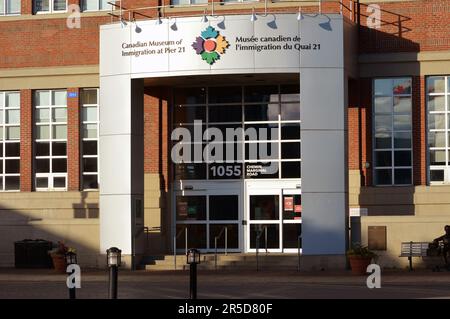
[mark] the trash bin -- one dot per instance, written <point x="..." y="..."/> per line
<point x="30" y="253"/>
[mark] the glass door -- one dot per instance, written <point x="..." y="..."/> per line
<point x="292" y="219"/>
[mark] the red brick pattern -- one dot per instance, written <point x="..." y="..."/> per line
<point x="73" y="140"/>
<point x="26" y="141"/>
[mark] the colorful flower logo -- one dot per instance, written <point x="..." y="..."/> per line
<point x="210" y="45"/>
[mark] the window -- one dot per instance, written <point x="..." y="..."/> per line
<point x="9" y="7"/>
<point x="438" y="106"/>
<point x="95" y="5"/>
<point x="392" y="109"/>
<point x="89" y="138"/>
<point x="50" y="139"/>
<point x="50" y="6"/>
<point x="9" y="141"/>
<point x="187" y="2"/>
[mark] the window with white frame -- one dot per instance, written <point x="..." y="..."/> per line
<point x="89" y="147"/>
<point x="10" y="141"/>
<point x="438" y="106"/>
<point x="392" y="119"/>
<point x="95" y="5"/>
<point x="187" y="2"/>
<point x="9" y="7"/>
<point x="50" y="6"/>
<point x="50" y="139"/>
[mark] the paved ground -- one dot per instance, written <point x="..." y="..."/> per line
<point x="227" y="284"/>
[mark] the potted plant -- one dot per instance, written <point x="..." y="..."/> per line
<point x="58" y="255"/>
<point x="360" y="257"/>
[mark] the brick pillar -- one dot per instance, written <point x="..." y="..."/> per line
<point x="73" y="140"/>
<point x="151" y="133"/>
<point x="26" y="7"/>
<point x="419" y="131"/>
<point x="366" y="129"/>
<point x="26" y="141"/>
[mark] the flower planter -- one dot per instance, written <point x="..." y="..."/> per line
<point x="59" y="263"/>
<point x="359" y="264"/>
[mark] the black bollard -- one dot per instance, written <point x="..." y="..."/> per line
<point x="193" y="258"/>
<point x="114" y="260"/>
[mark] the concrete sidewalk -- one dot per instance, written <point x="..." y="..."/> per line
<point x="15" y="283"/>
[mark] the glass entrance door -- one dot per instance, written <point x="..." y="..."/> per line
<point x="274" y="220"/>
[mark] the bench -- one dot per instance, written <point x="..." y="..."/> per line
<point x="413" y="249"/>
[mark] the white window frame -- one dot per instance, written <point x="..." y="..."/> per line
<point x="4" y="141"/>
<point x="83" y="5"/>
<point x="50" y="175"/>
<point x="392" y="149"/>
<point x="83" y="122"/>
<point x="446" y="131"/>
<point x="191" y="2"/>
<point x="50" y="9"/>
<point x="5" y="10"/>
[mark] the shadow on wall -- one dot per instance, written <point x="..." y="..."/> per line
<point x="71" y="217"/>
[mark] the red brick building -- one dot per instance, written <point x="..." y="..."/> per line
<point x="397" y="128"/>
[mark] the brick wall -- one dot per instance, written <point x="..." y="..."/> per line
<point x="73" y="140"/>
<point x="26" y="141"/>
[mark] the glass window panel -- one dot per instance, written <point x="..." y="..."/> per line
<point x="402" y="140"/>
<point x="1" y="167"/>
<point x="225" y="171"/>
<point x="42" y="5"/>
<point x="90" y="147"/>
<point x="273" y="235"/>
<point x="290" y="235"/>
<point x="291" y="169"/>
<point x="264" y="207"/>
<point x="1" y="135"/>
<point x="12" y="117"/>
<point x="188" y="114"/>
<point x="263" y="151"/>
<point x="402" y="104"/>
<point x="191" y="207"/>
<point x="42" y="182"/>
<point x="383" y="87"/>
<point x="260" y="132"/>
<point x="402" y="122"/>
<point x="104" y="5"/>
<point x="59" y="165"/>
<point x="437" y="175"/>
<point x="42" y="165"/>
<point x="60" y="132"/>
<point x="90" y="96"/>
<point x="1" y="115"/>
<point x="12" y="166"/>
<point x="42" y="98"/>
<point x="294" y="209"/>
<point x="290" y="93"/>
<point x="90" y="181"/>
<point x="59" y="5"/>
<point x="2" y="12"/>
<point x="59" y="97"/>
<point x="1" y="151"/>
<point x="232" y="236"/>
<point x="402" y="86"/>
<point x="290" y="112"/>
<point x="436" y="84"/>
<point x="59" y="148"/>
<point x="437" y="157"/>
<point x="261" y="112"/>
<point x="12" y="149"/>
<point x="224" y="113"/>
<point x="383" y="177"/>
<point x="90" y="164"/>
<point x="230" y="132"/>
<point x="12" y="99"/>
<point x="261" y="170"/>
<point x="59" y="182"/>
<point x="383" y="104"/>
<point x="42" y="149"/>
<point x="90" y="114"/>
<point x="196" y="95"/>
<point x="59" y="114"/>
<point x="90" y="5"/>
<point x="290" y="131"/>
<point x="436" y="103"/>
<point x="12" y="183"/>
<point x="229" y="94"/>
<point x="402" y="176"/>
<point x="13" y="133"/>
<point x="42" y="115"/>
<point x="190" y="171"/>
<point x="402" y="158"/>
<point x="196" y="236"/>
<point x="436" y="139"/>
<point x="436" y="121"/>
<point x="383" y="159"/>
<point x="179" y="2"/>
<point x="290" y="150"/>
<point x="261" y="94"/>
<point x="223" y="207"/>
<point x="383" y="123"/>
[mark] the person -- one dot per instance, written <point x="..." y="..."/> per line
<point x="446" y="243"/>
